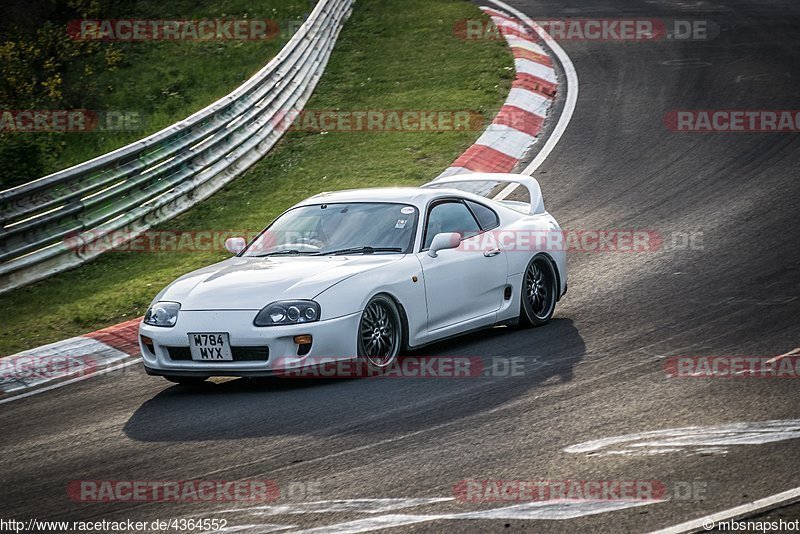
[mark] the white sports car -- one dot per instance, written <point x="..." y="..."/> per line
<point x="363" y="274"/>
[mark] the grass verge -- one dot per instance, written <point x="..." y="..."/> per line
<point x="154" y="83"/>
<point x="391" y="55"/>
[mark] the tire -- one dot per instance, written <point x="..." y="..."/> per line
<point x="380" y="334"/>
<point x="539" y="292"/>
<point x="187" y="380"/>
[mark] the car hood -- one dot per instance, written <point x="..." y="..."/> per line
<point x="252" y="283"/>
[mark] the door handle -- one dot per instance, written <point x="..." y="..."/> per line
<point x="493" y="252"/>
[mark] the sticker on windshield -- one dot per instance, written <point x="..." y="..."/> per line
<point x="401" y="223"/>
<point x="407" y="210"/>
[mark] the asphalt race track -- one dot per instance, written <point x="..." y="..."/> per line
<point x="597" y="371"/>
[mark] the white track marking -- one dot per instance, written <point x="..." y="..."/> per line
<point x="571" y="87"/>
<point x="529" y="101"/>
<point x="693" y="439"/>
<point x="70" y="381"/>
<point x="526" y="66"/>
<point x="556" y="509"/>
<point x="786" y="497"/>
<point x="505" y="139"/>
<point x="361" y="506"/>
<point x="507" y="190"/>
<point x="552" y="510"/>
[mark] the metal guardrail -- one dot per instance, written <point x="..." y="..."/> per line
<point x="47" y="223"/>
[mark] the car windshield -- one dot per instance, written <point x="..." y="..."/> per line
<point x="339" y="228"/>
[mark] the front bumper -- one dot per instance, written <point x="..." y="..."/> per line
<point x="332" y="339"/>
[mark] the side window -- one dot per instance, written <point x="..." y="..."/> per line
<point x="487" y="218"/>
<point x="450" y="216"/>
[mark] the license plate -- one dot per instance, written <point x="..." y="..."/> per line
<point x="212" y="347"/>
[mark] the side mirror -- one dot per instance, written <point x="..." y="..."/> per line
<point x="235" y="245"/>
<point x="444" y="241"/>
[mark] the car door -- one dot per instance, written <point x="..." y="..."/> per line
<point x="462" y="284"/>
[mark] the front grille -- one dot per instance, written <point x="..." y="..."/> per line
<point x="179" y="353"/>
<point x="250" y="354"/>
<point x="240" y="354"/>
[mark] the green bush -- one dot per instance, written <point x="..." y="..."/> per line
<point x="34" y="67"/>
<point x="42" y="67"/>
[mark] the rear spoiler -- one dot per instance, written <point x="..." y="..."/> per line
<point x="508" y="189"/>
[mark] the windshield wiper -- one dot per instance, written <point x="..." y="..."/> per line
<point x="360" y="250"/>
<point x="281" y="252"/>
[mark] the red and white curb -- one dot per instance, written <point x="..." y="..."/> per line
<point x="71" y="360"/>
<point x="514" y="130"/>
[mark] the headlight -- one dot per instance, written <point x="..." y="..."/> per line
<point x="288" y="312"/>
<point x="162" y="314"/>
